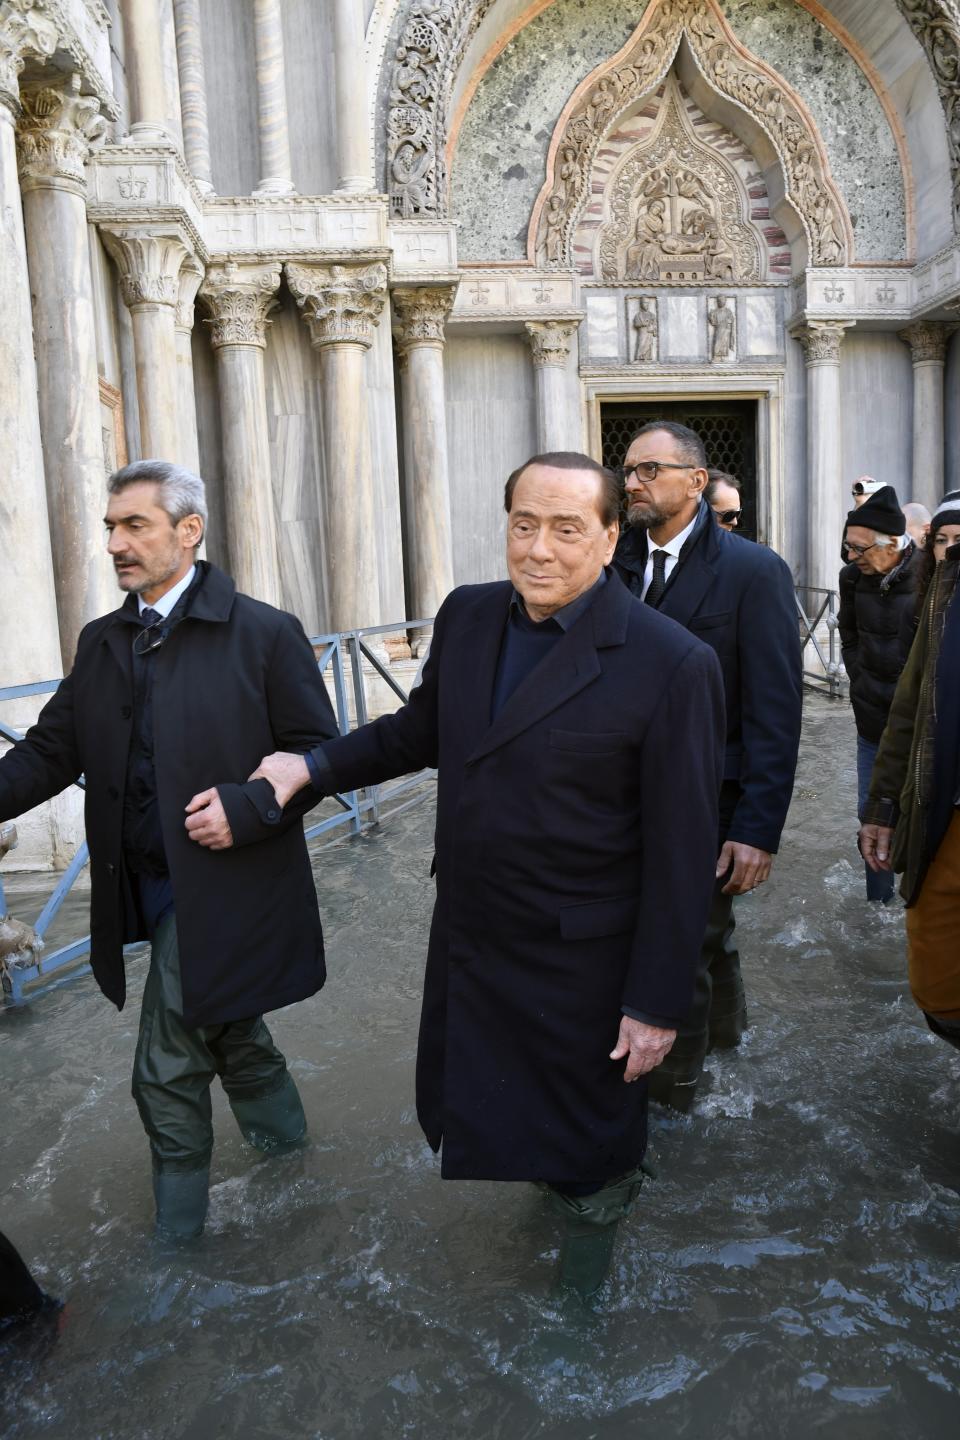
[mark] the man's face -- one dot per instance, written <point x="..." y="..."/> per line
<point x="725" y="500"/>
<point x="676" y="489"/>
<point x="557" y="544"/>
<point x="878" y="553"/>
<point x="149" y="552"/>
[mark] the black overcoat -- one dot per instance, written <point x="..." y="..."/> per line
<point x="875" y="620"/>
<point x="738" y="598"/>
<point x="234" y="681"/>
<point x="575" y="856"/>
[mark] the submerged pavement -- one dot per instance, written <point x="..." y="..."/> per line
<point x="794" y="1272"/>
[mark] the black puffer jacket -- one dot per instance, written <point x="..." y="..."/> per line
<point x="874" y="611"/>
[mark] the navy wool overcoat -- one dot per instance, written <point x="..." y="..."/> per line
<point x="575" y="857"/>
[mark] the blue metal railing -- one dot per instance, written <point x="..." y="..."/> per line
<point x="336" y="654"/>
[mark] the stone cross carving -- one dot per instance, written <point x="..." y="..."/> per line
<point x="239" y="298"/>
<point x="645" y="328"/>
<point x="342" y="304"/>
<point x="722" y="322"/>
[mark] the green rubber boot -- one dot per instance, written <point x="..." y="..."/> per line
<point x="590" y="1231"/>
<point x="181" y="1200"/>
<point x="274" y="1121"/>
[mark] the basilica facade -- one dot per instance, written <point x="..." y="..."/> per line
<point x="353" y="260"/>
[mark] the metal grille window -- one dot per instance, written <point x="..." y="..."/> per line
<point x="728" y="429"/>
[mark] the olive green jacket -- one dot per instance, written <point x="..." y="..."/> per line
<point x="900" y="787"/>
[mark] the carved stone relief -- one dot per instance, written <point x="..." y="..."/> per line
<point x="239" y="298"/>
<point x="722" y="328"/>
<point x="937" y="26"/>
<point x="642" y="319"/>
<point x="26" y="30"/>
<point x="732" y="72"/>
<point x="58" y="128"/>
<point x="677" y="212"/>
<point x="341" y="304"/>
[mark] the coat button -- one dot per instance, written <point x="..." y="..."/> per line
<point x="125" y="712"/>
<point x="111" y="868"/>
<point x="113" y="792"/>
<point x="273" y="814"/>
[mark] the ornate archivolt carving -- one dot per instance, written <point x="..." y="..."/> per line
<point x="676" y="211"/>
<point x="342" y="304"/>
<point x="149" y="258"/>
<point x="421" y="313"/>
<point x="57" y="131"/>
<point x="550" y="340"/>
<point x="927" y="340"/>
<point x="239" y="298"/>
<point x="730" y="69"/>
<point x="25" y="30"/>
<point x="423" y="67"/>
<point x="936" y="25"/>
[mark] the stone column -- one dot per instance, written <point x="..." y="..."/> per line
<point x="928" y="350"/>
<point x="558" y="412"/>
<point x="29" y="643"/>
<point x="826" y="498"/>
<point x="271" y="100"/>
<point x="149" y="258"/>
<point x="239" y="298"/>
<point x="421" y="314"/>
<point x="188" y="284"/>
<point x="353" y="141"/>
<point x="149" y="103"/>
<point x="56" y="131"/>
<point x="342" y="304"/>
<point x="193" y="91"/>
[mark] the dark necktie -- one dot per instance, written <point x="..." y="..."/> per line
<point x="659" y="582"/>
<point x="149" y="618"/>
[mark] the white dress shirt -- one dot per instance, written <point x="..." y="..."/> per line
<point x="165" y="604"/>
<point x="672" y="547"/>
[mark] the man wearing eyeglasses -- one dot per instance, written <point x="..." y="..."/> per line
<point x="186" y="683"/>
<point x="878" y="587"/>
<point x="738" y="597"/>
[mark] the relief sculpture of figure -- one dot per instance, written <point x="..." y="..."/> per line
<point x="642" y="261"/>
<point x="722" y="321"/>
<point x="409" y="172"/>
<point x="553" y="240"/>
<point x="645" y="329"/>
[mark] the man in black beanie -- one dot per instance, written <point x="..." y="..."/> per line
<point x="877" y="589"/>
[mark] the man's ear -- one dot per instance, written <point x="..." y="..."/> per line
<point x="698" y="481"/>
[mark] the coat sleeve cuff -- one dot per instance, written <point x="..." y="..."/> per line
<point x="321" y="773"/>
<point x="657" y="1021"/>
<point x="251" y="810"/>
<point x="882" y="811"/>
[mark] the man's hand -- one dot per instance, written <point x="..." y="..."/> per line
<point x="207" y="821"/>
<point x="875" y="842"/>
<point x="286" y="773"/>
<point x="644" y="1045"/>
<point x="750" y="867"/>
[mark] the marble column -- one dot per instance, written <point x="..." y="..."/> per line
<point x="143" y="51"/>
<point x="29" y="639"/>
<point x="558" y="410"/>
<point x="827" y="502"/>
<point x="193" y="91"/>
<point x="420" y="314"/>
<point x="57" y="128"/>
<point x="239" y="298"/>
<point x="188" y="283"/>
<point x="342" y="304"/>
<point x="928" y="350"/>
<point x="274" y="130"/>
<point x="353" y="141"/>
<point x="149" y="258"/>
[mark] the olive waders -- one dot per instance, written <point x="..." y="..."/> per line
<point x="590" y="1230"/>
<point x="172" y="1073"/>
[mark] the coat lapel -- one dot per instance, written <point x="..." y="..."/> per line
<point x="694" y="575"/>
<point x="572" y="664"/>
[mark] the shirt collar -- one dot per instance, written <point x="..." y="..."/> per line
<point x="566" y="617"/>
<point x="674" y="546"/>
<point x="165" y="604"/>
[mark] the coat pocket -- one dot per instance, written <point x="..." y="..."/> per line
<point x="598" y="917"/>
<point x="709" y="622"/>
<point x="598" y="742"/>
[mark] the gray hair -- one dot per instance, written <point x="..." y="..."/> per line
<point x="179" y="491"/>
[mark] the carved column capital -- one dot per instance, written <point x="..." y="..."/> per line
<point x="821" y="343"/>
<point x="342" y="304"/>
<point x="421" y="312"/>
<point x="239" y="298"/>
<point x="149" y="260"/>
<point x="188" y="283"/>
<point x="550" y="340"/>
<point x="927" y="340"/>
<point x="58" y="130"/>
<point x="25" y="30"/>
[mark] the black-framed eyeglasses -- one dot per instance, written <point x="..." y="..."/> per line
<point x="648" y="470"/>
<point x="728" y="517"/>
<point x="852" y="549"/>
<point x="150" y="639"/>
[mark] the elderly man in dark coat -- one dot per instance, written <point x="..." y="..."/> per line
<point x="187" y="682"/>
<point x="578" y="740"/>
<point x="738" y="598"/>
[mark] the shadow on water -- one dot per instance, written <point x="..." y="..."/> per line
<point x="793" y="1273"/>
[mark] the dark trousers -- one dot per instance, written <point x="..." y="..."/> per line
<point x="174" y="1067"/>
<point x="880" y="885"/>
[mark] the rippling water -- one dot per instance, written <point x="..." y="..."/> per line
<point x="794" y="1272"/>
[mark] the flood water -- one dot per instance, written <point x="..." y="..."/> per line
<point x="794" y="1272"/>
